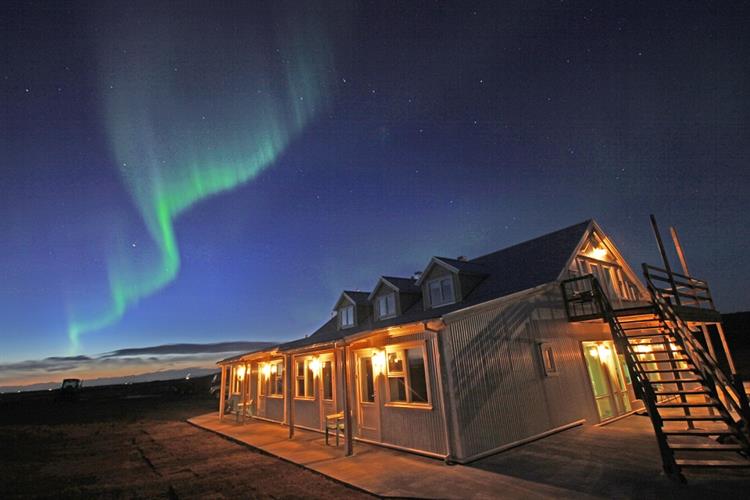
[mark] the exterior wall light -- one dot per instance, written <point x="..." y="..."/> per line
<point x="315" y="366"/>
<point x="378" y="362"/>
<point x="267" y="370"/>
<point x="598" y="253"/>
<point x="241" y="372"/>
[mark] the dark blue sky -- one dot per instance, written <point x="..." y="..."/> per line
<point x="435" y="128"/>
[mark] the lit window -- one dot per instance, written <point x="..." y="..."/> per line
<point x="305" y="379"/>
<point x="347" y="316"/>
<point x="328" y="380"/>
<point x="276" y="379"/>
<point x="407" y="376"/>
<point x="387" y="305"/>
<point x="548" y="359"/>
<point x="441" y="291"/>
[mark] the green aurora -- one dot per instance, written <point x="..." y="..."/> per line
<point x="187" y="119"/>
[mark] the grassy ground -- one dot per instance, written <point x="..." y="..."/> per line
<point x="136" y="446"/>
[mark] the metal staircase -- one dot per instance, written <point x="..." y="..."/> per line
<point x="699" y="414"/>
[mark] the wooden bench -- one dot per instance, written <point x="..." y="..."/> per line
<point x="335" y="422"/>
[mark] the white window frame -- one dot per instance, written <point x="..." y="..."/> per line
<point x="308" y="384"/>
<point x="383" y="300"/>
<point x="402" y="348"/>
<point x="343" y="314"/>
<point x="272" y="377"/>
<point x="439" y="281"/>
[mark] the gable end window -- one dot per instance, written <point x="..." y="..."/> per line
<point x="387" y="305"/>
<point x="441" y="291"/>
<point x="346" y="314"/>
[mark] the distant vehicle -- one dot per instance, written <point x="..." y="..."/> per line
<point x="71" y="388"/>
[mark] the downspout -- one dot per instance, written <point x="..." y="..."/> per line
<point x="439" y="369"/>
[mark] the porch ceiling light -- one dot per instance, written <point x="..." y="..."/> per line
<point x="267" y="369"/>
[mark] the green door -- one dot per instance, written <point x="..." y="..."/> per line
<point x="607" y="379"/>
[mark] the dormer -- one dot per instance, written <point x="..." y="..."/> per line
<point x="352" y="309"/>
<point x="392" y="296"/>
<point x="446" y="281"/>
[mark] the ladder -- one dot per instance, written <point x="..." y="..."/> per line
<point x="700" y="417"/>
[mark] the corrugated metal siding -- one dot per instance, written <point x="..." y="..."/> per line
<point x="307" y="413"/>
<point x="415" y="428"/>
<point x="274" y="409"/>
<point x="499" y="391"/>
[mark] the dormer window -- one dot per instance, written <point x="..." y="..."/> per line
<point x="441" y="291"/>
<point x="386" y="305"/>
<point x="346" y="315"/>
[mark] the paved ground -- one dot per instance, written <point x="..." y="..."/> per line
<point x="619" y="460"/>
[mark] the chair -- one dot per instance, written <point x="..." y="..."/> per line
<point x="335" y="422"/>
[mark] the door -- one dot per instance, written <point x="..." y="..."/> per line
<point x="607" y="379"/>
<point x="603" y="273"/>
<point x="327" y="388"/>
<point x="368" y="414"/>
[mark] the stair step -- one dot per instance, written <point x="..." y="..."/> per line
<point x="707" y="404"/>
<point x="655" y="351"/>
<point x="693" y="418"/>
<point x="647" y="335"/>
<point x="642" y="328"/>
<point x="711" y="463"/>
<point x="673" y="360"/>
<point x="670" y="370"/>
<point x="705" y="447"/>
<point x="677" y="391"/>
<point x="697" y="432"/>
<point x="689" y="380"/>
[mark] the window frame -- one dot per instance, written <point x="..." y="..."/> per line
<point x="384" y="298"/>
<point x="349" y="307"/>
<point x="402" y="349"/>
<point x="323" y="361"/>
<point x="439" y="280"/>
<point x="307" y="384"/>
<point x="551" y="369"/>
<point x="273" y="379"/>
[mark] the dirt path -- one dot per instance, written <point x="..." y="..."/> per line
<point x="145" y="458"/>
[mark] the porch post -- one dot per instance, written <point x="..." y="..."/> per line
<point x="348" y="439"/>
<point x="222" y="392"/>
<point x="289" y="393"/>
<point x="707" y="338"/>
<point x="240" y="415"/>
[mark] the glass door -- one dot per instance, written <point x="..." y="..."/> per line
<point x="607" y="379"/>
<point x="367" y="395"/>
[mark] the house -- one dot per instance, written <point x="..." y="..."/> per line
<point x="472" y="356"/>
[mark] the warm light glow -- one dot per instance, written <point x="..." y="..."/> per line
<point x="643" y="348"/>
<point x="274" y="368"/>
<point x="604" y="351"/>
<point x="593" y="352"/>
<point x="266" y="369"/>
<point x="241" y="372"/>
<point x="378" y="362"/>
<point x="599" y="253"/>
<point x="315" y="366"/>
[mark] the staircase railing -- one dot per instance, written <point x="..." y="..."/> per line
<point x="585" y="298"/>
<point x="731" y="388"/>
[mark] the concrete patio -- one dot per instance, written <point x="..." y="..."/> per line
<point x="619" y="460"/>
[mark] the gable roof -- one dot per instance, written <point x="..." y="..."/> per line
<point x="401" y="285"/>
<point x="513" y="269"/>
<point x="358" y="298"/>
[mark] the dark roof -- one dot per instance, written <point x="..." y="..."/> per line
<point x="464" y="266"/>
<point x="329" y="332"/>
<point x="359" y="298"/>
<point x="404" y="285"/>
<point x="238" y="356"/>
<point x="519" y="267"/>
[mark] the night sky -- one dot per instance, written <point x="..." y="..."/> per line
<point x="204" y="172"/>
